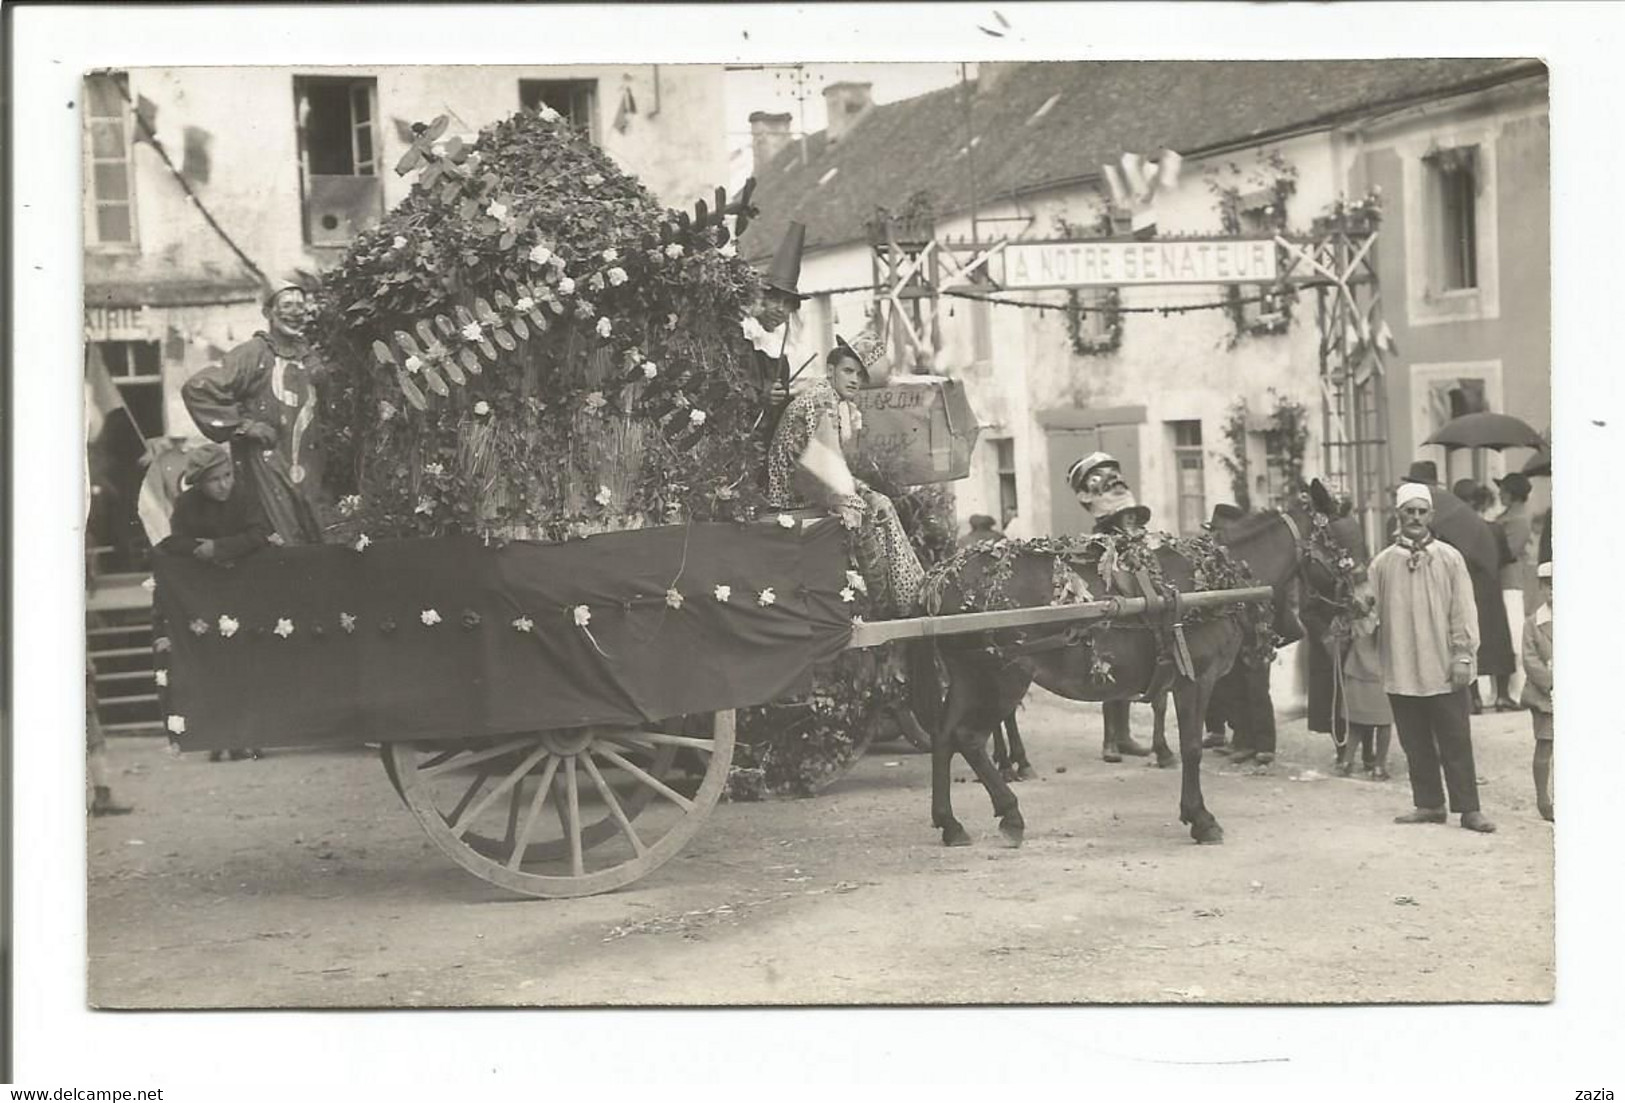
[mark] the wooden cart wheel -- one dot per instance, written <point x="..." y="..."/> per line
<point x="552" y="813"/>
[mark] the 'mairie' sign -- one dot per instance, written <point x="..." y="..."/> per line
<point x="1037" y="264"/>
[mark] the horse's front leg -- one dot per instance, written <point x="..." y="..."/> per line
<point x="1159" y="732"/>
<point x="1190" y="703"/>
<point x="942" y="756"/>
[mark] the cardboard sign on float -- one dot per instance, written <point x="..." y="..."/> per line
<point x="921" y="428"/>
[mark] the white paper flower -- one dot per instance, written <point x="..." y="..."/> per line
<point x="604" y="496"/>
<point x="674" y="599"/>
<point x="766" y="597"/>
<point x="674" y="250"/>
<point x="567" y="286"/>
<point x="386" y="409"/>
<point x="481" y="408"/>
<point x="605" y="327"/>
<point x="471" y="331"/>
<point x="161" y="677"/>
<point x="671" y="321"/>
<point x="616" y="276"/>
<point x="362" y="542"/>
<point x="429" y="617"/>
<point x="347" y="621"/>
<point x="696" y="417"/>
<point x="728" y="250"/>
<point x="581" y="615"/>
<point x="539" y="255"/>
<point x="786" y="521"/>
<point x="524" y="304"/>
<point x="610" y="255"/>
<point x="650" y="369"/>
<point x="434" y="469"/>
<point x="284" y="627"/>
<point x="149" y="584"/>
<point x="498" y="212"/>
<point x="848" y="594"/>
<point x="425" y="505"/>
<point x="176" y="724"/>
<point x="228" y="627"/>
<point x="349" y="504"/>
<point x="523" y="624"/>
<point x="414" y="364"/>
<point x="398" y="243"/>
<point x="595" y="282"/>
<point x="548" y="114"/>
<point x="723" y="592"/>
<point x="596" y="400"/>
<point x="584" y="309"/>
<point x="855" y="580"/>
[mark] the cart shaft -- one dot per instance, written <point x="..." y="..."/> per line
<point x="956" y="624"/>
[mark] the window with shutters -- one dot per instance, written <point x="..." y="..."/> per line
<point x="576" y="100"/>
<point x="338" y="152"/>
<point x="109" y="190"/>
<point x="1452" y="185"/>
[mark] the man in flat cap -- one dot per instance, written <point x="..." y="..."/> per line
<point x="1427" y="625"/>
<point x="261" y="400"/>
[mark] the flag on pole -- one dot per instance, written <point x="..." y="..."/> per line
<point x="1168" y="170"/>
<point x="121" y="449"/>
<point x="1114" y="182"/>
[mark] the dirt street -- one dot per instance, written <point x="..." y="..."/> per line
<point x="300" y="880"/>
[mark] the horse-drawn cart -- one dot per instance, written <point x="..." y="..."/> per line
<point x="558" y="717"/>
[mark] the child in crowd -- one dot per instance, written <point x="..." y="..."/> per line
<point x="217" y="520"/>
<point x="1537" y="687"/>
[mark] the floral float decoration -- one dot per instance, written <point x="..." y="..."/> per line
<point x="514" y="315"/>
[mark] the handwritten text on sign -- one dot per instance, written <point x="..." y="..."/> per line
<point x="1120" y="263"/>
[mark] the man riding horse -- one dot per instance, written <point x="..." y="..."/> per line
<point x="1097" y="480"/>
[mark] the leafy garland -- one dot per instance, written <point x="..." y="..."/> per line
<point x="1111" y="306"/>
<point x="1235" y="461"/>
<point x="1275" y="174"/>
<point x="510" y="333"/>
<point x="1105" y="554"/>
<point x="1286" y="436"/>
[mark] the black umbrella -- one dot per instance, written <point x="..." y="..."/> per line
<point x="1487" y="430"/>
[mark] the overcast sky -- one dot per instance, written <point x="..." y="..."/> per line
<point x="775" y="88"/>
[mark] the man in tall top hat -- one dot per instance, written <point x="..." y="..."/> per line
<point x="1097" y="480"/>
<point x="770" y="325"/>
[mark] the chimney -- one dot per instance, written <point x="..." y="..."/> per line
<point x="847" y="102"/>
<point x="989" y="74"/>
<point x="768" y="135"/>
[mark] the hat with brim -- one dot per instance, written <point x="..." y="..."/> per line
<point x="1140" y="515"/>
<point x="1080" y="468"/>
<point x="1422" y="471"/>
<point x="866" y="348"/>
<point x="1517" y="482"/>
<point x="784" y="275"/>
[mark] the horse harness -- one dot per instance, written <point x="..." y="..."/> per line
<point x="1164" y="616"/>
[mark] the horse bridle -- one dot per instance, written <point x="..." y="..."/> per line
<point x="1309" y="551"/>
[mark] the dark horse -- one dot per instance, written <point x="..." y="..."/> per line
<point x="985" y="684"/>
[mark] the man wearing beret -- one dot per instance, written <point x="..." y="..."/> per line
<point x="261" y="400"/>
<point x="1427" y="625"/>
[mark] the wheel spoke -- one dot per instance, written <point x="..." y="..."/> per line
<point x="636" y="741"/>
<point x="440" y="765"/>
<point x="464" y="822"/>
<point x="535" y="809"/>
<point x="614" y="805"/>
<point x="652" y="782"/>
<point x="468" y="795"/>
<point x="573" y="796"/>
<point x="514" y="801"/>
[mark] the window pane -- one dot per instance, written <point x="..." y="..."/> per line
<point x="361" y="103"/>
<point x="115" y="357"/>
<point x="112" y="181"/>
<point x="1007" y="454"/>
<point x="327" y="129"/>
<point x="145" y="357"/>
<point x="107" y="138"/>
<point x="102" y="98"/>
<point x="363" y="149"/>
<point x="113" y="222"/>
